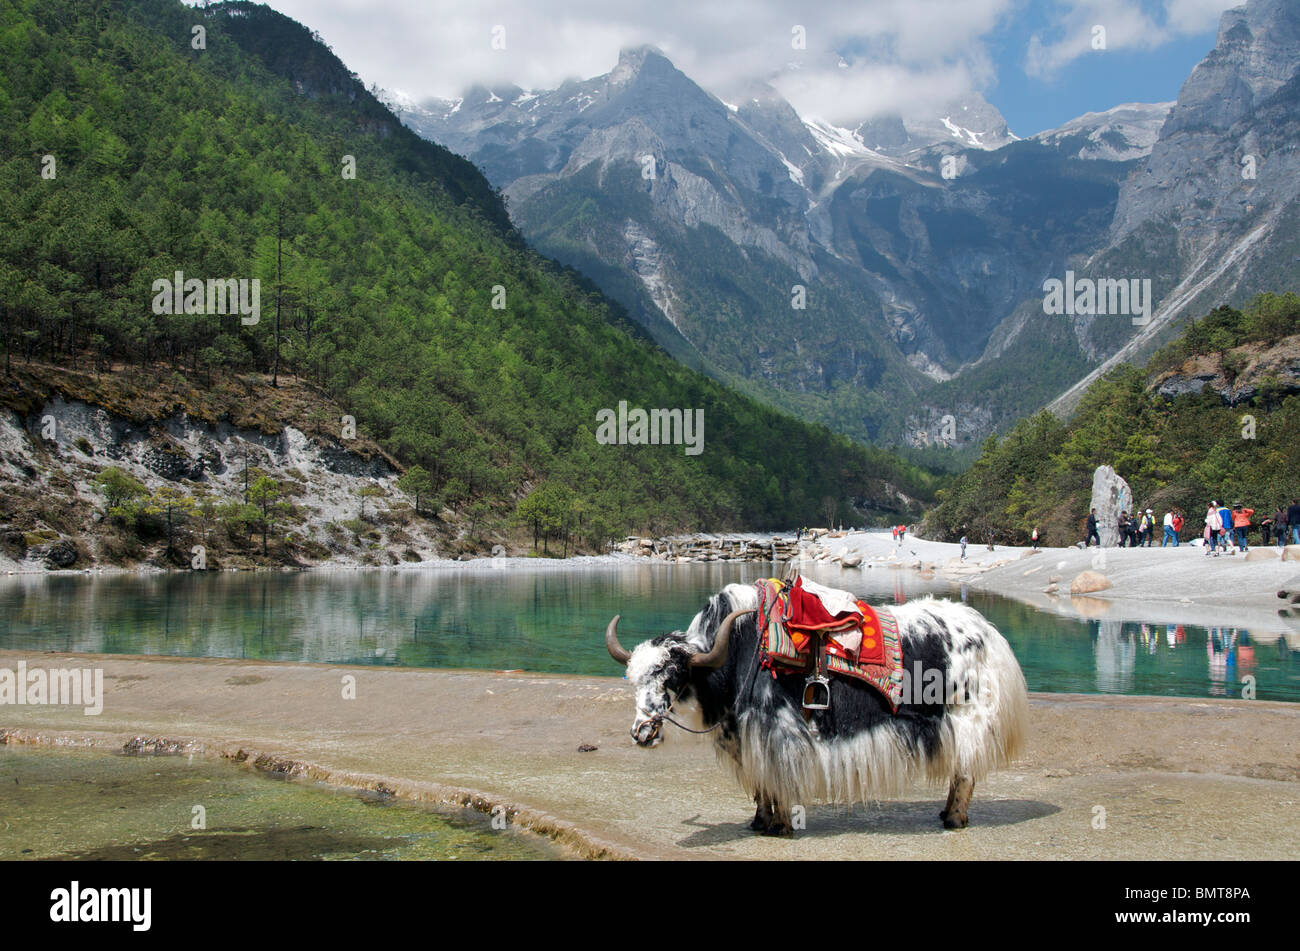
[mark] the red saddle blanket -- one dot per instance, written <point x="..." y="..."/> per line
<point x="862" y="641"/>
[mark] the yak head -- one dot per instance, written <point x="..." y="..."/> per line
<point x="660" y="671"/>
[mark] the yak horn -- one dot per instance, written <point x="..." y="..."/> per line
<point x="717" y="656"/>
<point x="612" y="645"/>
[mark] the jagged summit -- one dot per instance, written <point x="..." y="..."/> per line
<point x="633" y="60"/>
<point x="1257" y="52"/>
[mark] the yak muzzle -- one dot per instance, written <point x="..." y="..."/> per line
<point x="647" y="732"/>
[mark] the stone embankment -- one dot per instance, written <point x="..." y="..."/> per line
<point x="701" y="547"/>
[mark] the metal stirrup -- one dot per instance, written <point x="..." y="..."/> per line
<point x="816" y="688"/>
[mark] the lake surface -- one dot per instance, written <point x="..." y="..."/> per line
<point x="84" y="805"/>
<point x="552" y="617"/>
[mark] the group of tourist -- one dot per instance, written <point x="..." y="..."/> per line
<point x="1224" y="527"/>
<point x="1223" y="523"/>
<point x="1138" y="530"/>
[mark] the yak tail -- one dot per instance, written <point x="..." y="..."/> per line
<point x="990" y="732"/>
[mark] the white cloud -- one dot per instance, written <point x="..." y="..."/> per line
<point x="898" y="52"/>
<point x="439" y="47"/>
<point x="1195" y="16"/>
<point x="868" y="90"/>
<point x="1126" y="26"/>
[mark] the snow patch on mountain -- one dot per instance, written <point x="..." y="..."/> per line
<point x="836" y="140"/>
<point x="971" y="137"/>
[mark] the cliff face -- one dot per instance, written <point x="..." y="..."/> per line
<point x="1212" y="215"/>
<point x="1228" y="144"/>
<point x="60" y="430"/>
<point x="1239" y="375"/>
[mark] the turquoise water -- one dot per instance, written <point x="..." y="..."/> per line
<point x="551" y="618"/>
<point x="66" y="804"/>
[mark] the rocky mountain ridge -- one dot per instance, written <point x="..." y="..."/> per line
<point x="816" y="266"/>
<point x="924" y="241"/>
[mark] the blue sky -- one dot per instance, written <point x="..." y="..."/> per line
<point x="1093" y="82"/>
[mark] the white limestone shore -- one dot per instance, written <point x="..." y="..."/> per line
<point x="1179" y="585"/>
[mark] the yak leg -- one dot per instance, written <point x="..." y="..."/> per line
<point x="780" y="824"/>
<point x="959" y="793"/>
<point x="762" y="816"/>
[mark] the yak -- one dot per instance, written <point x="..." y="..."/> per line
<point x="858" y="749"/>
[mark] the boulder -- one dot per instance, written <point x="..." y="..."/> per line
<point x="1290" y="590"/>
<point x="1262" y="554"/>
<point x="1178" y="384"/>
<point x="1088" y="581"/>
<point x="1110" y="496"/>
<point x="61" y="554"/>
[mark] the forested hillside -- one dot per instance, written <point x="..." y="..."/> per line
<point x="134" y="145"/>
<point x="1214" y="415"/>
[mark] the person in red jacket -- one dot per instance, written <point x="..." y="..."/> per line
<point x="1241" y="524"/>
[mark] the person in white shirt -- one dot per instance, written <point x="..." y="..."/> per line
<point x="1213" y="528"/>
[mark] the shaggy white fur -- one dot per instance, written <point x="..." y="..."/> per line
<point x="782" y="761"/>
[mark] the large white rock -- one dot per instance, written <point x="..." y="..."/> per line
<point x="1110" y="496"/>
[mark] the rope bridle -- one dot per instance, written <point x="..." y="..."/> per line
<point x="659" y="718"/>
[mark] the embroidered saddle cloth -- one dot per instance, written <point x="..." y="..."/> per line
<point x="861" y="641"/>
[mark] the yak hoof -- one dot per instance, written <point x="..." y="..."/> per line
<point x="954" y="822"/>
<point x="758" y="824"/>
<point x="782" y="830"/>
